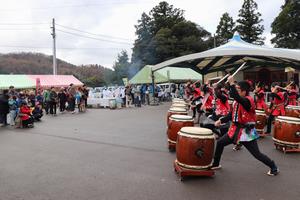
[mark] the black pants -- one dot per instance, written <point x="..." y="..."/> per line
<point x="27" y="122"/>
<point x="47" y="106"/>
<point x="85" y="102"/>
<point x="3" y="118"/>
<point x="72" y="104"/>
<point x="62" y="106"/>
<point x="37" y="116"/>
<point x="251" y="146"/>
<point x="53" y="108"/>
<point x="269" y="123"/>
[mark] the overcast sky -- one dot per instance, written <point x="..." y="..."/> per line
<point x="25" y="25"/>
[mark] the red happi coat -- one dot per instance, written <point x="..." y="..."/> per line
<point x="292" y="97"/>
<point x="209" y="102"/>
<point x="241" y="116"/>
<point x="197" y="92"/>
<point x="26" y="111"/>
<point x="278" y="105"/>
<point x="222" y="108"/>
<point x="260" y="100"/>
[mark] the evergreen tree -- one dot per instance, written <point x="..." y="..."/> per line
<point x="286" y="26"/>
<point x="165" y="34"/>
<point x="248" y="24"/>
<point x="121" y="67"/>
<point x="142" y="45"/>
<point x="225" y="29"/>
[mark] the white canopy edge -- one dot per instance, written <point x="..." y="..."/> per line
<point x="236" y="47"/>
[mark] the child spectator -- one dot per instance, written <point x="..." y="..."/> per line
<point x="25" y="115"/>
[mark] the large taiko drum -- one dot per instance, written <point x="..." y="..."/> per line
<point x="261" y="121"/>
<point x="195" y="148"/>
<point x="287" y="133"/>
<point x="175" y="111"/>
<point x="176" y="122"/>
<point x="292" y="111"/>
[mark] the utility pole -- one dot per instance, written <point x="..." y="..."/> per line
<point x="54" y="47"/>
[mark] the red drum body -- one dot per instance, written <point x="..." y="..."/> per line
<point x="292" y="111"/>
<point x="195" y="148"/>
<point x="175" y="111"/>
<point x="287" y="133"/>
<point x="261" y="121"/>
<point x="176" y="122"/>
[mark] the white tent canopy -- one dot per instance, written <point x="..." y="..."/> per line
<point x="232" y="54"/>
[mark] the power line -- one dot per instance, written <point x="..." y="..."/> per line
<point x="102" y="35"/>
<point x="21" y="29"/>
<point x="111" y="3"/>
<point x="63" y="48"/>
<point x="23" y="24"/>
<point x="94" y="38"/>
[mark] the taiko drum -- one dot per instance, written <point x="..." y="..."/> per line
<point x="176" y="122"/>
<point x="261" y="121"/>
<point x="176" y="111"/>
<point x="292" y="111"/>
<point x="287" y="132"/>
<point x="195" y="148"/>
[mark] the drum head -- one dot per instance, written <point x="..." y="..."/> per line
<point x="178" y="105"/>
<point x="292" y="120"/>
<point x="293" y="107"/>
<point x="177" y="99"/>
<point x="181" y="117"/>
<point x="177" y="109"/>
<point x="260" y="112"/>
<point x="196" y="131"/>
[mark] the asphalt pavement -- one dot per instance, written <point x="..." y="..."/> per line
<point x="122" y="154"/>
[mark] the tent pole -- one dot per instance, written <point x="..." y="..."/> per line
<point x="153" y="87"/>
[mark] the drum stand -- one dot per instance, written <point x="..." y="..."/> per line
<point x="171" y="145"/>
<point x="184" y="172"/>
<point x="286" y="147"/>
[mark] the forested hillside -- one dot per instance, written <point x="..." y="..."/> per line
<point x="37" y="63"/>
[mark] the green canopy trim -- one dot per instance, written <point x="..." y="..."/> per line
<point x="18" y="81"/>
<point x="167" y="74"/>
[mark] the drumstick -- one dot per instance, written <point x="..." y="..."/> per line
<point x="221" y="79"/>
<point x="237" y="70"/>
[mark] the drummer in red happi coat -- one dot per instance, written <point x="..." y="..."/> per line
<point x="242" y="129"/>
<point x="277" y="105"/>
<point x="292" y="94"/>
<point x="259" y="97"/>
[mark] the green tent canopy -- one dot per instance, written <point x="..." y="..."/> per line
<point x="178" y="74"/>
<point x="167" y="74"/>
<point x="144" y="76"/>
<point x="18" y="81"/>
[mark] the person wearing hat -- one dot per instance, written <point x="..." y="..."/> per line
<point x="242" y="129"/>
